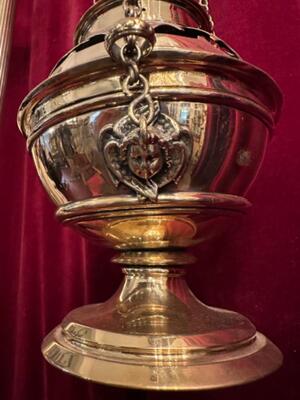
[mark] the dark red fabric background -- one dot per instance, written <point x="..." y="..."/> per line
<point x="46" y="270"/>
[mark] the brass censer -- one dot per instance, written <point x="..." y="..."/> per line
<point x="147" y="135"/>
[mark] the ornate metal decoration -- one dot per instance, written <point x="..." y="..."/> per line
<point x="146" y="157"/>
<point x="146" y="149"/>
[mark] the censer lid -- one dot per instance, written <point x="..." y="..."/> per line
<point x="106" y="13"/>
<point x="185" y="43"/>
<point x="78" y="74"/>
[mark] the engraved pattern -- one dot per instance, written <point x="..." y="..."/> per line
<point x="146" y="160"/>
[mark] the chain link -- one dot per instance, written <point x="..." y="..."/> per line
<point x="141" y="109"/>
<point x="145" y="136"/>
<point x="132" y="8"/>
<point x="134" y="84"/>
<point x="205" y="5"/>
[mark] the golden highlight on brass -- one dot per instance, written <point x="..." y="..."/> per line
<point x="147" y="135"/>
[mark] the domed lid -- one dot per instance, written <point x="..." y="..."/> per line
<point x="76" y="79"/>
<point x="106" y="13"/>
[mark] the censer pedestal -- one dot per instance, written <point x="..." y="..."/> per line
<point x="155" y="334"/>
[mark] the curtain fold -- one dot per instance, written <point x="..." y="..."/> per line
<point x="6" y="21"/>
<point x="47" y="270"/>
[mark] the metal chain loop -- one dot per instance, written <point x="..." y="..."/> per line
<point x="132" y="8"/>
<point x="139" y="38"/>
<point x="137" y="84"/>
<point x="205" y="5"/>
<point x="138" y="146"/>
<point x="146" y="101"/>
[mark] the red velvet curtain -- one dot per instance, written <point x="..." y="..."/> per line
<point x="46" y="270"/>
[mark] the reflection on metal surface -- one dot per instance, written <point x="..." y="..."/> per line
<point x="154" y="258"/>
<point x="151" y="163"/>
<point x="154" y="334"/>
<point x="106" y="13"/>
<point x="72" y="168"/>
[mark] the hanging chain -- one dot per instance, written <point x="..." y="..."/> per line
<point x="132" y="8"/>
<point x="145" y="149"/>
<point x="205" y="5"/>
<point x="136" y="84"/>
<point x="137" y="39"/>
<point x="128" y="43"/>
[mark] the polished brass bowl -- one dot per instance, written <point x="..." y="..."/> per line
<point x="153" y="326"/>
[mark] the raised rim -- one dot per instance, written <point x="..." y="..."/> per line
<point x="163" y="57"/>
<point x="107" y="204"/>
<point x="239" y="366"/>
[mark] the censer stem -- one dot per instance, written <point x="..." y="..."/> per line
<point x="153" y="333"/>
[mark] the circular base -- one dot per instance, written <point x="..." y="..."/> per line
<point x="155" y="334"/>
<point x="216" y="369"/>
